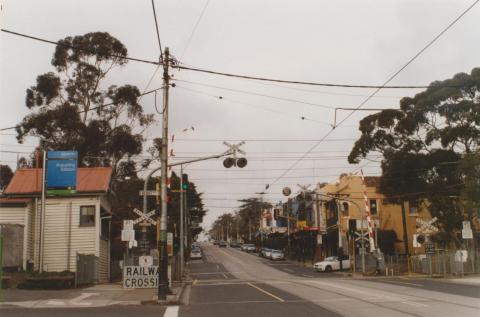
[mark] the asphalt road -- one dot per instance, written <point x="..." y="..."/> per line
<point x="229" y="282"/>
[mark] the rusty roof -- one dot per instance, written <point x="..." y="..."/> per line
<point x="89" y="179"/>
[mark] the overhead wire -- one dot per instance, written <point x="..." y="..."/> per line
<point x="79" y="48"/>
<point x="384" y="85"/>
<point x="156" y="27"/>
<point x="194" y="29"/>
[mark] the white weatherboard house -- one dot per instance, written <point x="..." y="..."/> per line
<point x="77" y="226"/>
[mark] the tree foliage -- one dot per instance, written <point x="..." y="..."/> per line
<point x="6" y="175"/>
<point x="423" y="143"/>
<point x="68" y="104"/>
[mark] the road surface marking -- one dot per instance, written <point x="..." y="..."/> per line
<point x="289" y="270"/>
<point x="218" y="267"/>
<point x="265" y="292"/>
<point x="397" y="282"/>
<point x="415" y="304"/>
<point x="56" y="303"/>
<point x="78" y="300"/>
<point x="305" y="275"/>
<point x="171" y="311"/>
<point x="210" y="273"/>
<point x="225" y="276"/>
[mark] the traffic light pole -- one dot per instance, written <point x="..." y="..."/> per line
<point x="182" y="229"/>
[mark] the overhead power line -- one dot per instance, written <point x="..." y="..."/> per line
<point x="206" y="71"/>
<point x="71" y="46"/>
<point x="384" y="85"/>
<point x="97" y="107"/>
<point x="195" y="28"/>
<point x="156" y="27"/>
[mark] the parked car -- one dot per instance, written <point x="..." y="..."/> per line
<point x="215" y="242"/>
<point x="248" y="247"/>
<point x="222" y="244"/>
<point x="266" y="253"/>
<point x="277" y="255"/>
<point x="234" y="244"/>
<point x="332" y="263"/>
<point x="195" y="253"/>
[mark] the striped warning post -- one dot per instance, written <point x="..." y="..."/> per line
<point x="367" y="214"/>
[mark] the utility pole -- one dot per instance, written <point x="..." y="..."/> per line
<point x="162" y="252"/>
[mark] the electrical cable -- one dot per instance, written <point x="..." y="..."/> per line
<point x="194" y="28"/>
<point x="379" y="88"/>
<point x="156" y="27"/>
<point x="71" y="46"/>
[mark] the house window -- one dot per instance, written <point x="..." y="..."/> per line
<point x="373" y="206"/>
<point x="345" y="209"/>
<point x="412" y="208"/>
<point x="87" y="216"/>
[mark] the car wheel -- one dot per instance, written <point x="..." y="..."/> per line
<point x="328" y="268"/>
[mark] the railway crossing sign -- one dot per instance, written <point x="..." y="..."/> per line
<point x="144" y="217"/>
<point x="358" y="240"/>
<point x="426" y="226"/>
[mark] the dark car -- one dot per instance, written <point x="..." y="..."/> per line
<point x="222" y="244"/>
<point x="234" y="244"/>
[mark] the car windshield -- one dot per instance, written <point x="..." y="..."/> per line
<point x="331" y="258"/>
<point x="276" y="251"/>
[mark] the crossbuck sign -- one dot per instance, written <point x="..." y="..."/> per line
<point x="427" y="227"/>
<point x="144" y="217"/>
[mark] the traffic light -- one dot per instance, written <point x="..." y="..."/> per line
<point x="228" y="162"/>
<point x="352" y="226"/>
<point x="242" y="162"/>
<point x="184" y="181"/>
<point x="421" y="239"/>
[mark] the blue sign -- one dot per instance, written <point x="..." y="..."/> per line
<point x="62" y="170"/>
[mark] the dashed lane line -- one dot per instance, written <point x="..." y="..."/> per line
<point x="171" y="311"/>
<point x="265" y="292"/>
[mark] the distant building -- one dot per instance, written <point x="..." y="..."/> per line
<point x="76" y="226"/>
<point x="386" y="217"/>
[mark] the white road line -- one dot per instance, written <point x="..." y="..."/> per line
<point x="397" y="282"/>
<point x="304" y="275"/>
<point x="265" y="292"/>
<point x="225" y="276"/>
<point x="289" y="270"/>
<point x="171" y="311"/>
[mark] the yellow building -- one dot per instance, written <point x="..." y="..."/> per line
<point x="350" y="205"/>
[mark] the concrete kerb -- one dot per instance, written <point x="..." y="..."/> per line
<point x="172" y="299"/>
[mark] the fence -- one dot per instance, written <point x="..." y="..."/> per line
<point x="450" y="262"/>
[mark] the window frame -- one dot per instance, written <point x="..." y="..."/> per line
<point x="81" y="216"/>
<point x="376" y="206"/>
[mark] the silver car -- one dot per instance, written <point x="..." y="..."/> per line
<point x="277" y="255"/>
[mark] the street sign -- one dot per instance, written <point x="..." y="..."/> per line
<point x="358" y="240"/>
<point x="144" y="217"/>
<point x="140" y="276"/>
<point x="128" y="225"/>
<point x="149" y="193"/>
<point x="128" y="235"/>
<point x="145" y="260"/>
<point x="170" y="243"/>
<point x="426" y="226"/>
<point x="61" y="172"/>
<point x="467" y="232"/>
<point x="429" y="248"/>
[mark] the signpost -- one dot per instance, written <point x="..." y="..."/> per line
<point x="140" y="276"/>
<point x="61" y="176"/>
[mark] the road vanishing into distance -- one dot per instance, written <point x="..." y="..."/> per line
<point x="232" y="283"/>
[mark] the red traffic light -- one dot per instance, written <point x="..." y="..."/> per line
<point x="228" y="162"/>
<point x="242" y="162"/>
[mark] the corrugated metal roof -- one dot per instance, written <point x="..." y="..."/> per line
<point x="89" y="179"/>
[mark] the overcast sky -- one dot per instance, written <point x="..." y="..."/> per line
<point x="349" y="42"/>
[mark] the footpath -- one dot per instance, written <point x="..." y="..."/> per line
<point x="94" y="296"/>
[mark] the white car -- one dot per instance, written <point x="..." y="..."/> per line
<point x="195" y="254"/>
<point x="277" y="255"/>
<point x="332" y="263"/>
